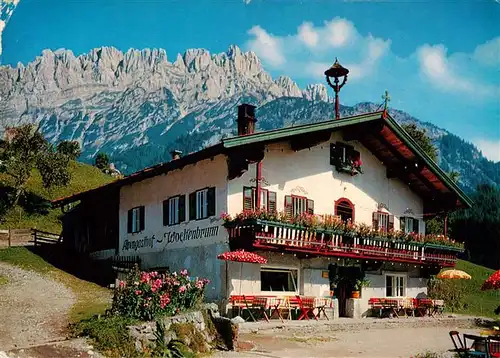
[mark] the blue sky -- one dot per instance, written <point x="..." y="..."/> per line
<point x="440" y="60"/>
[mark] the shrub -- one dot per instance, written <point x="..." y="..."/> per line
<point x="109" y="335"/>
<point x="148" y="295"/>
<point x="450" y="291"/>
<point x="174" y="349"/>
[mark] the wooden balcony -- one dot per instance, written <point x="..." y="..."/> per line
<point x="282" y="237"/>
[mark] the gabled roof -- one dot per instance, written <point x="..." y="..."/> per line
<point x="377" y="131"/>
<point x="284" y="133"/>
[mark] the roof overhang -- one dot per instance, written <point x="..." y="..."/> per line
<point x="406" y="160"/>
<point x="143" y="174"/>
<point x="377" y="131"/>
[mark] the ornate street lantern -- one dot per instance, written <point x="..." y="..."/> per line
<point x="336" y="71"/>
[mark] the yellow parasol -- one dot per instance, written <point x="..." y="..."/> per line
<point x="454" y="274"/>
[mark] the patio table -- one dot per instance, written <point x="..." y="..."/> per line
<point x="489" y="345"/>
<point x="306" y="305"/>
<point x="425" y="306"/>
<point x="320" y="303"/>
<point x="392" y="305"/>
<point x="437" y="308"/>
<point x="406" y="304"/>
<point x="273" y="304"/>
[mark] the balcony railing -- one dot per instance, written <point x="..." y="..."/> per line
<point x="268" y="235"/>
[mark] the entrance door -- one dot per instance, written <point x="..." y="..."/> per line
<point x="344" y="291"/>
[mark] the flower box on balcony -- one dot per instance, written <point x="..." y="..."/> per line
<point x="443" y="247"/>
<point x="347" y="236"/>
<point x="348" y="168"/>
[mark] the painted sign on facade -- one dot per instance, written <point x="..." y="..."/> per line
<point x="175" y="238"/>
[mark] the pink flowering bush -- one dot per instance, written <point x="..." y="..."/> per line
<point x="146" y="295"/>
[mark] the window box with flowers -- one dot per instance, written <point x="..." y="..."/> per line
<point x="302" y="225"/>
<point x="345" y="159"/>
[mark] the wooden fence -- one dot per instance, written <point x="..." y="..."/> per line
<point x="45" y="238"/>
<point x="15" y="237"/>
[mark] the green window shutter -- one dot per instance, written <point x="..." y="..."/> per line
<point x="182" y="208"/>
<point x="211" y="201"/>
<point x="129" y="221"/>
<point x="310" y="206"/>
<point x="192" y="206"/>
<point x="166" y="212"/>
<point x="272" y="202"/>
<point x="288" y="206"/>
<point x="247" y="198"/>
<point x="142" y="212"/>
<point x="402" y="223"/>
<point x="336" y="151"/>
<point x="415" y="226"/>
<point x="375" y="220"/>
<point x="391" y="223"/>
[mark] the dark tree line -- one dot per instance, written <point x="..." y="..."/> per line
<point x="478" y="227"/>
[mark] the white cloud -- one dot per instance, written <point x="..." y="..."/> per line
<point x="266" y="46"/>
<point x="2" y="26"/>
<point x="307" y="34"/>
<point x="6" y="13"/>
<point x="489" y="148"/>
<point x="339" y="32"/>
<point x="317" y="69"/>
<point x="438" y="68"/>
<point x="488" y="53"/>
<point x="311" y="50"/>
<point x="377" y="48"/>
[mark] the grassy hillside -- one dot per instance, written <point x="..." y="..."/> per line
<point x="480" y="303"/>
<point x="83" y="177"/>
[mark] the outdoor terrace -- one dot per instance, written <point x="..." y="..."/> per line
<point x="328" y="236"/>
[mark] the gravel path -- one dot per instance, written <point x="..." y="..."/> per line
<point x="350" y="338"/>
<point x="33" y="308"/>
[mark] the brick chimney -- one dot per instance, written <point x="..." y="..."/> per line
<point x="176" y="154"/>
<point x="246" y="119"/>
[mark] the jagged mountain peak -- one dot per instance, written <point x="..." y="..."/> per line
<point x="136" y="102"/>
<point x="289" y="85"/>
<point x="56" y="77"/>
<point x="316" y="92"/>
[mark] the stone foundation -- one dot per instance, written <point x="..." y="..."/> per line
<point x="201" y="331"/>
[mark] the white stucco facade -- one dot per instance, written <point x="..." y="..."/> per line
<point x="308" y="173"/>
<point x="194" y="244"/>
<point x="311" y="281"/>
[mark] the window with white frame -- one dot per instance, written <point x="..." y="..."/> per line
<point x="267" y="199"/>
<point x="298" y="205"/>
<point x="382" y="221"/>
<point x="395" y="285"/>
<point x="279" y="279"/>
<point x="135" y="219"/>
<point x="174" y="210"/>
<point x="201" y="204"/>
<point x="409" y="224"/>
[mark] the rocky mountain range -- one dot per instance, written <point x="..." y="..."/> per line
<point x="138" y="105"/>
